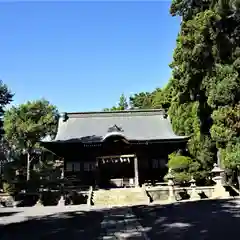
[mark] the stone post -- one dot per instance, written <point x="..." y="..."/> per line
<point x="39" y="202"/>
<point x="136" y="172"/>
<point x="61" y="201"/>
<point x="219" y="190"/>
<point x="96" y="173"/>
<point x="220" y="164"/>
<point x="90" y="195"/>
<point x="194" y="194"/>
<point x="170" y="177"/>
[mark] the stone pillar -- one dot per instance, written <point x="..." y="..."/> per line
<point x="39" y="201"/>
<point x="221" y="165"/>
<point x="171" y="196"/>
<point x="61" y="201"/>
<point x="136" y="172"/>
<point x="97" y="174"/>
<point x="170" y="177"/>
<point x="194" y="194"/>
<point x="90" y="195"/>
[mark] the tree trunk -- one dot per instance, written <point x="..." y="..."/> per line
<point x="237" y="177"/>
<point x="238" y="181"/>
<point x="28" y="166"/>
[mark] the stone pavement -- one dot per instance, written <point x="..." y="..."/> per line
<point x="121" y="223"/>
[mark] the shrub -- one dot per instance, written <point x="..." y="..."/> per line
<point x="76" y="198"/>
<point x="26" y="200"/>
<point x="180" y="166"/>
<point x="49" y="198"/>
<point x="178" y="162"/>
<point x="9" y="188"/>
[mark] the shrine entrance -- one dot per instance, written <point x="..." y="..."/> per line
<point x="116" y="171"/>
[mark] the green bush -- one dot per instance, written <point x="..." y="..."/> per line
<point x="76" y="198"/>
<point x="181" y="168"/>
<point x="178" y="162"/>
<point x="9" y="188"/>
<point x="49" y="198"/>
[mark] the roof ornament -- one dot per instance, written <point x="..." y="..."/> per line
<point x="64" y="116"/>
<point x="115" y="128"/>
<point x="165" y="115"/>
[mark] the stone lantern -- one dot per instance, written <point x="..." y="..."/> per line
<point x="194" y="194"/>
<point x="219" y="190"/>
<point x="170" y="178"/>
<point x="217" y="172"/>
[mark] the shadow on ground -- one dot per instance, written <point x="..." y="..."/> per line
<point x="6" y="214"/>
<point x="67" y="225"/>
<point x="210" y="219"/>
<point x="202" y="220"/>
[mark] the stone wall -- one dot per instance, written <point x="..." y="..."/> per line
<point x="161" y="193"/>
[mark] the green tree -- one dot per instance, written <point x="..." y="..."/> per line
<point x="122" y="105"/>
<point x="27" y="124"/>
<point x="142" y="100"/>
<point x="161" y="98"/>
<point x="205" y="78"/>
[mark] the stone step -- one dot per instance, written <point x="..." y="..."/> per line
<point x="119" y="197"/>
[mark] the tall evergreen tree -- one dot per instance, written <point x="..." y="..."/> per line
<point x="123" y="104"/>
<point x="206" y="78"/>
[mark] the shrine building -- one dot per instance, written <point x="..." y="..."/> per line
<point x="115" y="149"/>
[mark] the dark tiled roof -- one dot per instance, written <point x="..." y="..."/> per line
<point x="140" y="125"/>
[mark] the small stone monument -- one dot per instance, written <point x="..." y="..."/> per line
<point x="39" y="202"/>
<point x="61" y="201"/>
<point x="194" y="194"/>
<point x="219" y="190"/>
<point x="16" y="203"/>
<point x="170" y="178"/>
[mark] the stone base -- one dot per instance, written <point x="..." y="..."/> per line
<point x="172" y="198"/>
<point x="61" y="202"/>
<point x="15" y="203"/>
<point x="220" y="193"/>
<point x="39" y="203"/>
<point x="195" y="196"/>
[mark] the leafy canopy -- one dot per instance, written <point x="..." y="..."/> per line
<point x="28" y="123"/>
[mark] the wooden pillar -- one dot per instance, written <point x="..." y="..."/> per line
<point x="97" y="173"/>
<point x="136" y="172"/>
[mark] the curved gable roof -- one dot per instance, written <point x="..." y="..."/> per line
<point x="134" y="125"/>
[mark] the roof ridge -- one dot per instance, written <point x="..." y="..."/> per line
<point x="135" y="112"/>
<point x="126" y="110"/>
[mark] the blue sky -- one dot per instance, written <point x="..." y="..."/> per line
<point x="82" y="55"/>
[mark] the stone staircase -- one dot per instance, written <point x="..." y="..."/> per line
<point x="120" y="197"/>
